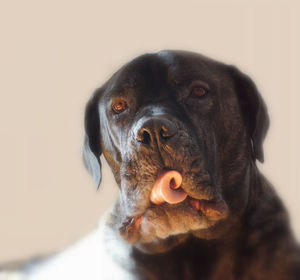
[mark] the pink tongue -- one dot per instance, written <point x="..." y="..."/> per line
<point x="166" y="188"/>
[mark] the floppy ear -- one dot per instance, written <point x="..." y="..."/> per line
<point x="91" y="146"/>
<point x="254" y="111"/>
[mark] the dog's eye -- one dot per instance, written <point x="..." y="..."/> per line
<point x="119" y="106"/>
<point x="198" y="91"/>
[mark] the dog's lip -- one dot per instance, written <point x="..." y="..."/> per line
<point x="201" y="202"/>
<point x="213" y="209"/>
<point x="184" y="186"/>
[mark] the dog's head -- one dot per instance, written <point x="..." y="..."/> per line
<point x="176" y="110"/>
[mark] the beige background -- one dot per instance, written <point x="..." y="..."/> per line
<point x="55" y="53"/>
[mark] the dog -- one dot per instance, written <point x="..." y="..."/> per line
<point x="206" y="121"/>
<point x="182" y="133"/>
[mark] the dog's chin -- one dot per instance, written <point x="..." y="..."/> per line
<point x="162" y="227"/>
<point x="215" y="231"/>
<point x="159" y="246"/>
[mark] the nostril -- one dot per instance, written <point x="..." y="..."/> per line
<point x="144" y="137"/>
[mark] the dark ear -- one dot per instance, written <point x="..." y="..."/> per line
<point x="254" y="111"/>
<point x="91" y="146"/>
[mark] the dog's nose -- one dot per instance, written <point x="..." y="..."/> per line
<point x="155" y="130"/>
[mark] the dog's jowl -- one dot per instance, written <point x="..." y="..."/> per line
<point x="182" y="134"/>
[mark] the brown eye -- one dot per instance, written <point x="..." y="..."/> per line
<point x="198" y="91"/>
<point x="119" y="106"/>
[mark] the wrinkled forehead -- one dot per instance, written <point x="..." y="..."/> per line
<point x="165" y="68"/>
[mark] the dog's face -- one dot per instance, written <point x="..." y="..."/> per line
<point x="180" y="111"/>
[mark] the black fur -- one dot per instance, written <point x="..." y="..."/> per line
<point x="213" y="141"/>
